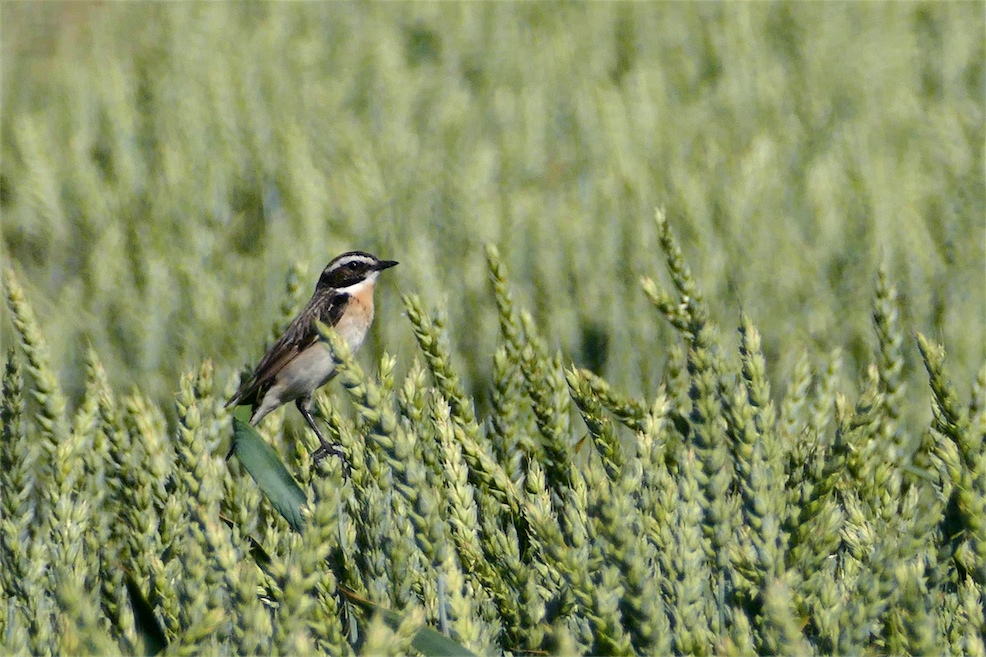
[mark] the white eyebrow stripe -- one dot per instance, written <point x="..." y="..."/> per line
<point x="342" y="262"/>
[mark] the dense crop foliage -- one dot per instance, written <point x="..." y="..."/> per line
<point x="602" y="451"/>
<point x="711" y="517"/>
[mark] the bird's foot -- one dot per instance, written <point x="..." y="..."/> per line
<point x="331" y="449"/>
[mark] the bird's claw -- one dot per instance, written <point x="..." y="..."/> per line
<point x="329" y="449"/>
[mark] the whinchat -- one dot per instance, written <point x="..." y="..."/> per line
<point x="299" y="363"/>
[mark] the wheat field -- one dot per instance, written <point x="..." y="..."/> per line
<point x="685" y="353"/>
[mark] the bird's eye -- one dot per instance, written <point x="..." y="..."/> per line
<point x="353" y="266"/>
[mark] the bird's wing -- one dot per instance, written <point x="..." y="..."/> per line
<point x="300" y="335"/>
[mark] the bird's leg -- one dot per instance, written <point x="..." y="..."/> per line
<point x="325" y="448"/>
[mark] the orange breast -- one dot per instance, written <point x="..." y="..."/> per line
<point x="357" y="318"/>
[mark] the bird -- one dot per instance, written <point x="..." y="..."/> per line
<point x="299" y="363"/>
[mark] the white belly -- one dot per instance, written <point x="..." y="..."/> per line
<point x="313" y="367"/>
<point x="309" y="370"/>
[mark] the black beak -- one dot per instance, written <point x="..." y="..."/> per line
<point x="385" y="264"/>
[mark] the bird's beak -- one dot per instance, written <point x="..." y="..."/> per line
<point x="385" y="264"/>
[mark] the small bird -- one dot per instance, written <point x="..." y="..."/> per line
<point x="298" y="363"/>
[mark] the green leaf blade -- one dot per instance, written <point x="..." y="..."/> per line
<point x="263" y="464"/>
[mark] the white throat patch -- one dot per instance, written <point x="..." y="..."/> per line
<point x="357" y="288"/>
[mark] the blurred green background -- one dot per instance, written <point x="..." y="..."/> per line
<point x="164" y="165"/>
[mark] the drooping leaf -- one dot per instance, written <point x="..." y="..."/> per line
<point x="263" y="464"/>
